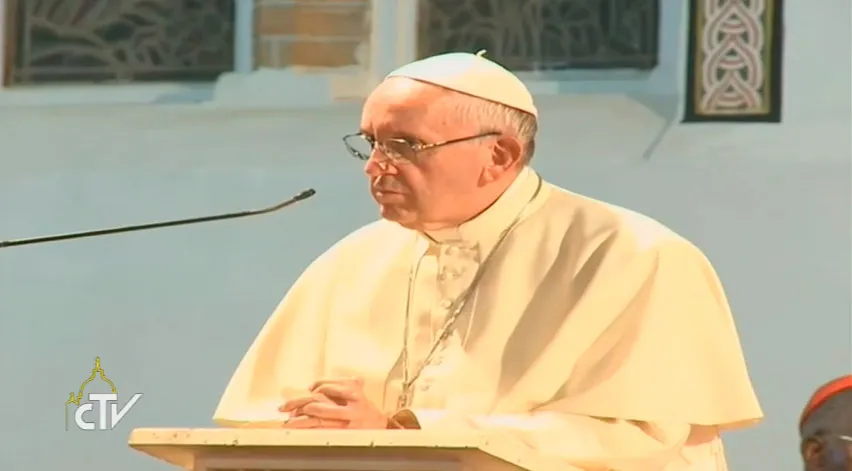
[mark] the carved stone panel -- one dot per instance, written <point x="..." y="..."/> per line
<point x="120" y="40"/>
<point x="544" y="34"/>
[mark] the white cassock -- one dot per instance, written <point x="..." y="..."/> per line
<point x="595" y="335"/>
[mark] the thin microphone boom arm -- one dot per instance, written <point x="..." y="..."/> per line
<point x="178" y="222"/>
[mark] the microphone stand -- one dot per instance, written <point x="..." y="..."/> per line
<point x="178" y="222"/>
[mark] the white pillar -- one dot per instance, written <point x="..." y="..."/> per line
<point x="406" y="43"/>
<point x="243" y="36"/>
<point x="393" y="36"/>
<point x="2" y="41"/>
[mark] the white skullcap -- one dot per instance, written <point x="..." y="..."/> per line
<point x="471" y="74"/>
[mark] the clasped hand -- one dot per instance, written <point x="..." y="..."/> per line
<point x="334" y="404"/>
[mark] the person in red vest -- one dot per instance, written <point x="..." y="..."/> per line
<point x="826" y="427"/>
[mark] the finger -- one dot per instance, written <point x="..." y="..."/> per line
<point x="326" y="411"/>
<point x="339" y="393"/>
<point x="307" y="422"/>
<point x="299" y="402"/>
<point x="334" y="424"/>
<point x="294" y="404"/>
<point x="302" y="422"/>
<point x="351" y="382"/>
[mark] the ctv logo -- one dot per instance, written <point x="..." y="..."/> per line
<point x="97" y="411"/>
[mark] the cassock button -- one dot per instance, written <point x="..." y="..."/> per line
<point x="446" y="303"/>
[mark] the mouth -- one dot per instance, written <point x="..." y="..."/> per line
<point x="385" y="191"/>
<point x="386" y="195"/>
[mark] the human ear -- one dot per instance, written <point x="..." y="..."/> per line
<point x="506" y="152"/>
<point x="811" y="450"/>
<point x="505" y="155"/>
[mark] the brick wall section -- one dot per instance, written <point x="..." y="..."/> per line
<point x="313" y="33"/>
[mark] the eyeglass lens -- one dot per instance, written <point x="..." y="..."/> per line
<point x="391" y="148"/>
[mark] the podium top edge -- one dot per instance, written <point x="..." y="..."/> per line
<point x="262" y="437"/>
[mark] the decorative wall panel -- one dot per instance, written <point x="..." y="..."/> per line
<point x="544" y="34"/>
<point x="120" y="40"/>
<point x="734" y="61"/>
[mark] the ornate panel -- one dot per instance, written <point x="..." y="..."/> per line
<point x="544" y="34"/>
<point x="121" y="40"/>
<point x="734" y="61"/>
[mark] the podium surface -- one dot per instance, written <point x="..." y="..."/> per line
<point x="226" y="449"/>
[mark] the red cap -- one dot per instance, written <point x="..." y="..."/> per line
<point x="824" y="393"/>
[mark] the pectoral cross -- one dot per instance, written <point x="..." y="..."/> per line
<point x="402" y="402"/>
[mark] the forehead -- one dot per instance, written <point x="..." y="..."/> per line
<point x="398" y="101"/>
<point x="834" y="416"/>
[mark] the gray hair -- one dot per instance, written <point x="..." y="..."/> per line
<point x="498" y="117"/>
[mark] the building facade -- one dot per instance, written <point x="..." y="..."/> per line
<point x="256" y="96"/>
<point x="733" y="47"/>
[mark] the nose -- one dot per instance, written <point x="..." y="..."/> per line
<point x="378" y="165"/>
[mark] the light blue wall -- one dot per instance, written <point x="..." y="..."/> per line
<point x="171" y="312"/>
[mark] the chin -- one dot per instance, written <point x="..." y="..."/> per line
<point x="396" y="214"/>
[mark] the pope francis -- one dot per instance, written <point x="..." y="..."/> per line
<point x="487" y="298"/>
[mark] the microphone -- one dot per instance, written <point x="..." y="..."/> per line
<point x="178" y="222"/>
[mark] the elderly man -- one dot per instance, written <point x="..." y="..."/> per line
<point x="826" y="427"/>
<point x="489" y="299"/>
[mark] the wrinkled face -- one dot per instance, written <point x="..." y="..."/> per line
<point x="438" y="185"/>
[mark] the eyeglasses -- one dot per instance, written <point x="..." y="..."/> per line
<point x="362" y="146"/>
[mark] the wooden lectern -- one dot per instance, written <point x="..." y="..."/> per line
<point x="334" y="450"/>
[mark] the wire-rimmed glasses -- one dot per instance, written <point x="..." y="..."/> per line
<point x="362" y="146"/>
